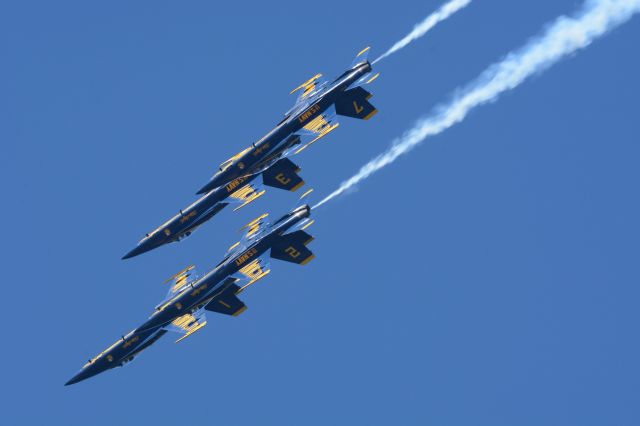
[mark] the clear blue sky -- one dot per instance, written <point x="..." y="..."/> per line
<point x="489" y="278"/>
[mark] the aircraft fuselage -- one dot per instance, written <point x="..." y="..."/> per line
<point x="272" y="142"/>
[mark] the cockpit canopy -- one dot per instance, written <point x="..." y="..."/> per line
<point x="225" y="165"/>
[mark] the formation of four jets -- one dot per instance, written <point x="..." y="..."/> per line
<point x="183" y="309"/>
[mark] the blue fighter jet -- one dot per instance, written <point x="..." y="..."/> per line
<point x="311" y="118"/>
<point x="183" y="310"/>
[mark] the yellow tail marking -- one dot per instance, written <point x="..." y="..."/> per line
<point x="308" y="259"/>
<point x="373" y="78"/>
<point x="295" y="188"/>
<point x="363" y="51"/>
<point x="239" y="311"/>
<point x="357" y="107"/>
<point x="371" y="114"/>
<point x="306" y="193"/>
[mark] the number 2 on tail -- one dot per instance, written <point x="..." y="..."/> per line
<point x="292" y="252"/>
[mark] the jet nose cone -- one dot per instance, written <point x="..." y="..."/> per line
<point x="78" y="377"/>
<point x="132" y="253"/>
<point x="139" y="249"/>
<point x="72" y="381"/>
<point x="149" y="243"/>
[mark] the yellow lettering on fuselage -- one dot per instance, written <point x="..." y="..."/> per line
<point x="233" y="185"/>
<point x="131" y="341"/>
<point x="199" y="290"/>
<point x="188" y="216"/>
<point x="260" y="149"/>
<point x="246" y="256"/>
<point x="308" y="113"/>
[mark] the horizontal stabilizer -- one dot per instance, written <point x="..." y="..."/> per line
<point x="226" y="302"/>
<point x="292" y="248"/>
<point x="283" y="175"/>
<point x="353" y="103"/>
<point x="299" y="236"/>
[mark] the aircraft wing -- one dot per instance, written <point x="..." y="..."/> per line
<point x="188" y="324"/>
<point x="247" y="194"/>
<point x="318" y="128"/>
<point x="308" y="89"/>
<point x="361" y="57"/>
<point x="180" y="280"/>
<point x="254" y="229"/>
<point x="252" y="272"/>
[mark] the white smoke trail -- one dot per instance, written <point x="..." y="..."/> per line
<point x="429" y="22"/>
<point x="563" y="37"/>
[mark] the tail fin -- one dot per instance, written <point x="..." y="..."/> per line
<point x="361" y="57"/>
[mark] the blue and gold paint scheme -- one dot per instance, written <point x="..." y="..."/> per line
<point x="183" y="310"/>
<point x="307" y="122"/>
<point x="316" y="98"/>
